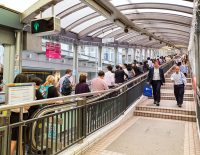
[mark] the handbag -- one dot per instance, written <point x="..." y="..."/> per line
<point x="147" y="91"/>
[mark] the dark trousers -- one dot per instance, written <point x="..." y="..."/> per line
<point x="156" y="84"/>
<point x="179" y="93"/>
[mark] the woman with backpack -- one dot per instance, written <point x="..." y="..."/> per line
<point x="48" y="90"/>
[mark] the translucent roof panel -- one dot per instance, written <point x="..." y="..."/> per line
<point x="87" y="24"/>
<point x="155" y="10"/>
<point x="18" y="5"/>
<point x="176" y="2"/>
<point x="106" y="33"/>
<point x="76" y="16"/>
<point x="101" y="29"/>
<point x="60" y="7"/>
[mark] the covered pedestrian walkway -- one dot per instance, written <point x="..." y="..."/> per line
<point x="167" y="129"/>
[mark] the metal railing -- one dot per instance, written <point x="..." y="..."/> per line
<point x="70" y="120"/>
<point x="198" y="106"/>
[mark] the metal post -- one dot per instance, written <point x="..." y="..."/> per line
<point x="20" y="140"/>
<point x="134" y="51"/>
<point x="116" y="55"/>
<point x="126" y="55"/>
<point x="99" y="58"/>
<point x="75" y="63"/>
<point x="18" y="55"/>
<point x="140" y="55"/>
<point x="9" y="59"/>
<point x="81" y="122"/>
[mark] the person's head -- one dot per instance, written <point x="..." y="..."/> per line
<point x="82" y="78"/>
<point x="117" y="66"/>
<point x="68" y="72"/>
<point x="50" y="80"/>
<point x="101" y="74"/>
<point x="141" y="63"/>
<point x="177" y="69"/>
<point x="125" y="65"/>
<point x="37" y="81"/>
<point x="156" y="64"/>
<point x="129" y="67"/>
<point x="21" y="78"/>
<point x="148" y="58"/>
<point x="109" y="67"/>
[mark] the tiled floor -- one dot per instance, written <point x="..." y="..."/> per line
<point x="153" y="136"/>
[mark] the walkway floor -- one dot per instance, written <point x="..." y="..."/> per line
<point x="163" y="130"/>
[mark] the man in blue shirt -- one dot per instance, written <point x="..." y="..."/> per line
<point x="179" y="82"/>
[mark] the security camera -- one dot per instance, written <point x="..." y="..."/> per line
<point x="126" y="30"/>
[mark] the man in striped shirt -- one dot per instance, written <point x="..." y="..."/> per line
<point x="180" y="81"/>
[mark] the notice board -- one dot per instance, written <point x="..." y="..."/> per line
<point x="19" y="93"/>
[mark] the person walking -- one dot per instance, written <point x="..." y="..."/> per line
<point x="67" y="80"/>
<point x="156" y="79"/>
<point x="119" y="75"/>
<point x="82" y="86"/>
<point x="180" y="81"/>
<point x="98" y="83"/>
<point x="110" y="77"/>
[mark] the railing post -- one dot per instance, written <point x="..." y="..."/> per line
<point x="20" y="140"/>
<point x="82" y="116"/>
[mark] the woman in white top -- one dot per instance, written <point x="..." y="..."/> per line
<point x="109" y="77"/>
<point x="15" y="115"/>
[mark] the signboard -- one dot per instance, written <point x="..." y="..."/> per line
<point x="53" y="50"/>
<point x="20" y="93"/>
<point x="108" y="40"/>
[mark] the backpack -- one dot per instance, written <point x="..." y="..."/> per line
<point x="44" y="91"/>
<point x="66" y="87"/>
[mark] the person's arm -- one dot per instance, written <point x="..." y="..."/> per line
<point x="184" y="79"/>
<point x="163" y="76"/>
<point x="149" y="75"/>
<point x="126" y="75"/>
<point x="133" y="72"/>
<point x="88" y="89"/>
<point x="105" y="85"/>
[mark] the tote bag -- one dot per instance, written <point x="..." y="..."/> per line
<point x="147" y="91"/>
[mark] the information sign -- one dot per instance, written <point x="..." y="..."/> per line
<point x="20" y="93"/>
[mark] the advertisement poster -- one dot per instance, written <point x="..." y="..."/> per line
<point x="53" y="50"/>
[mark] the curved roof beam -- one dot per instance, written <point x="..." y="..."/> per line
<point x="156" y="29"/>
<point x="160" y="16"/>
<point x="104" y="30"/>
<point x="161" y="34"/>
<point x="94" y="27"/>
<point x="143" y="16"/>
<point x="82" y="20"/>
<point x="71" y="10"/>
<point x="163" y="6"/>
<point x="145" y="41"/>
<point x="125" y="7"/>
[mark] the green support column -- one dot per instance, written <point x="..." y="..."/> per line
<point x="197" y="52"/>
<point x="116" y="55"/>
<point x="9" y="62"/>
<point x="99" y="58"/>
<point x="18" y="55"/>
<point x="75" y="63"/>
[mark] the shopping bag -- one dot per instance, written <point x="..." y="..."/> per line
<point x="147" y="91"/>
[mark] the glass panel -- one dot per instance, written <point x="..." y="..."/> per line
<point x="18" y="5"/>
<point x="101" y="29"/>
<point x="155" y="10"/>
<point x="75" y="16"/>
<point x="176" y="2"/>
<point x="87" y="24"/>
<point x="110" y="31"/>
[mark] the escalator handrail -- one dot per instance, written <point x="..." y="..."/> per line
<point x="72" y="97"/>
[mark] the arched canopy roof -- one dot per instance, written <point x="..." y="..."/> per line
<point x="167" y="19"/>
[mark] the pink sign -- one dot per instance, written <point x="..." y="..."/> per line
<point x="53" y="50"/>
